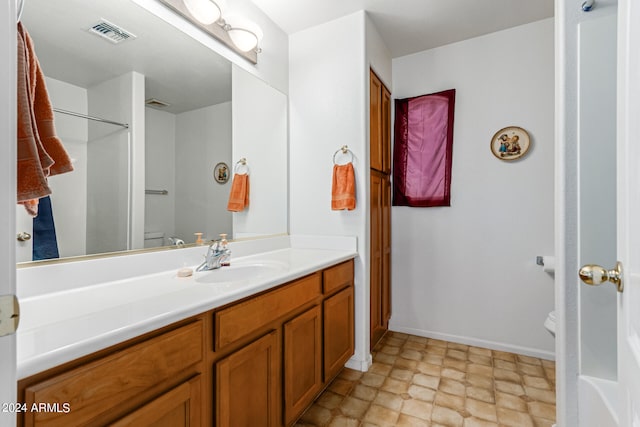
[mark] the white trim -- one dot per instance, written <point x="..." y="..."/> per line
<point x="358" y="364"/>
<point x="493" y="345"/>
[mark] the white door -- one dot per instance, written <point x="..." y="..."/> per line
<point x="7" y="203"/>
<point x="629" y="210"/>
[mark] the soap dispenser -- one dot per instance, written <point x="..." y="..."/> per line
<point x="224" y="247"/>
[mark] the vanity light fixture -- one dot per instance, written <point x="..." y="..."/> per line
<point x="239" y="33"/>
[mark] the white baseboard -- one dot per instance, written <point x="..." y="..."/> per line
<point x="360" y="365"/>
<point x="493" y="345"/>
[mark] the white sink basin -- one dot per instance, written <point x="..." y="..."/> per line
<point x="240" y="272"/>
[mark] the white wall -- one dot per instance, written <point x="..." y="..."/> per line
<point x="203" y="139"/>
<point x="69" y="190"/>
<point x="108" y="228"/>
<point x="259" y="122"/>
<point x="467" y="272"/>
<point x="329" y="86"/>
<point x="160" y="172"/>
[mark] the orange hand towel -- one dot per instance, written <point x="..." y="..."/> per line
<point x="239" y="195"/>
<point x="343" y="189"/>
<point x="40" y="152"/>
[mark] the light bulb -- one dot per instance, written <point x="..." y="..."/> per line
<point x="205" y="11"/>
<point x="245" y="34"/>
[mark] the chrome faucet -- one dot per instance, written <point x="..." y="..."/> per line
<point x="176" y="241"/>
<point x="216" y="256"/>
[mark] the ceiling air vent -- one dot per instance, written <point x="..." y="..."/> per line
<point x="111" y="32"/>
<point x="156" y="103"/>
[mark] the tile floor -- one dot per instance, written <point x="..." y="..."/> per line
<point x="416" y="381"/>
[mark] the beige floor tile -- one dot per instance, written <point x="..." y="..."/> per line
<point x="457" y="346"/>
<point x="363" y="392"/>
<point x="509" y="387"/>
<point x="387" y="359"/>
<point x="481" y="381"/>
<point x="480" y="359"/>
<point x="341" y="386"/>
<point x="547" y="396"/>
<point x="476" y="422"/>
<point x="401" y="374"/>
<point x="413" y="345"/>
<point x="535" y="371"/>
<point x="542" y="410"/>
<point x="450" y="401"/>
<point x="426" y="381"/>
<point x="510" y="401"/>
<point x="459" y="365"/>
<point x="395" y="386"/>
<point x="421" y="393"/>
<point x="482" y="394"/>
<point x="416" y="381"/>
<point x="330" y="400"/>
<point x="482" y="410"/>
<point x="408" y="421"/>
<point x="529" y="360"/>
<point x="354" y="408"/>
<point x="479" y="350"/>
<point x="503" y="364"/>
<point x="511" y="418"/>
<point x="372" y="380"/>
<point x="406" y="363"/>
<point x="381" y="416"/>
<point x="350" y="374"/>
<point x="341" y="421"/>
<point x="388" y="400"/>
<point x="447" y="417"/>
<point x="316" y="415"/>
<point x="429" y="369"/>
<point x="536" y="382"/>
<point x="452" y="387"/>
<point x="417" y="408"/>
<point x="456" y="354"/>
<point x="380" y="368"/>
<point x="505" y="375"/>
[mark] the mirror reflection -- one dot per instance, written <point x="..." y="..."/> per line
<point x="147" y="178"/>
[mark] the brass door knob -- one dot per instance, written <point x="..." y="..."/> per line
<point x="595" y="275"/>
<point x="24" y="236"/>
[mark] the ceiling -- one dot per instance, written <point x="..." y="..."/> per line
<point x="177" y="69"/>
<point x="409" y="26"/>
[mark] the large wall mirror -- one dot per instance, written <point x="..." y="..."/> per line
<point x="175" y="110"/>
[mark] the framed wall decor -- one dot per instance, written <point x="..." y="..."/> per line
<point x="510" y="143"/>
<point x="221" y="173"/>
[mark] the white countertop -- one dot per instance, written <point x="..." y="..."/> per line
<point x="61" y="326"/>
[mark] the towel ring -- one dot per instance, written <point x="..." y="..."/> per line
<point x="344" y="149"/>
<point x="239" y="164"/>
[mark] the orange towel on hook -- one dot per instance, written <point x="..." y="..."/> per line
<point x="239" y="195"/>
<point x="343" y="188"/>
<point x="40" y="152"/>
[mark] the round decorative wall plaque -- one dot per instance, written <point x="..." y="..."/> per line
<point x="510" y="143"/>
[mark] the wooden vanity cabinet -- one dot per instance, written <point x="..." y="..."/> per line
<point x="256" y="362"/>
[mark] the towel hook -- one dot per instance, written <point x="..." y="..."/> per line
<point x="240" y="163"/>
<point x="20" y="10"/>
<point x="345" y="150"/>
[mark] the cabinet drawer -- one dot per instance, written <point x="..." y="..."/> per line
<point x="337" y="277"/>
<point x="242" y="319"/>
<point x="97" y="389"/>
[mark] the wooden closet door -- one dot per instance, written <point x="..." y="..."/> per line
<point x="377" y="195"/>
<point x="375" y="123"/>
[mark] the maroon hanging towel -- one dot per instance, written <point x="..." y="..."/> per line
<point x="423" y="149"/>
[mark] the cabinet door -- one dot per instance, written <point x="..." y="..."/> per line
<point x="338" y="332"/>
<point x="386" y="252"/>
<point x="302" y="362"/>
<point x="375" y="124"/>
<point x="248" y="385"/>
<point x="377" y="327"/>
<point x="179" y="407"/>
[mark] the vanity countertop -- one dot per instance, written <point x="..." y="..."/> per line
<point x="61" y="326"/>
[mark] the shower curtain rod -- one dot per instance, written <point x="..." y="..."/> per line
<point x="97" y="119"/>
